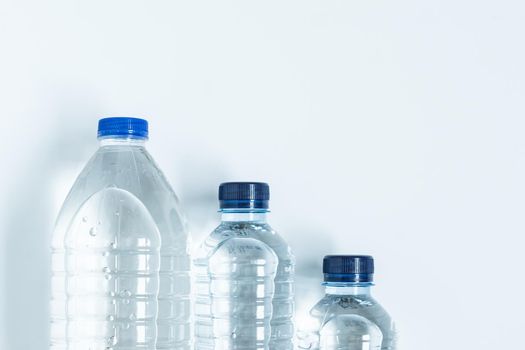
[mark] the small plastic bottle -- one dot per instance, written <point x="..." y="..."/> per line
<point x="244" y="277"/>
<point x="348" y="317"/>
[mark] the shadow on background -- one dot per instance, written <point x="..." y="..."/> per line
<point x="29" y="225"/>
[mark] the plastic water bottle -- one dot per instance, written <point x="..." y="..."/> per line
<point x="348" y="318"/>
<point x="120" y="263"/>
<point x="244" y="277"/>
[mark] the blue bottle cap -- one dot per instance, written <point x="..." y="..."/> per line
<point x="244" y="195"/>
<point x="123" y="127"/>
<point x="348" y="268"/>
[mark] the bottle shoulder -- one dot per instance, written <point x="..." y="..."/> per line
<point x="341" y="304"/>
<point x="131" y="169"/>
<point x="128" y="168"/>
<point x="262" y="232"/>
<point x="334" y="305"/>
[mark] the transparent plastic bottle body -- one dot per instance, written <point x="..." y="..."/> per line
<point x="252" y="226"/>
<point x="124" y="163"/>
<point x="242" y="272"/>
<point x="349" y="332"/>
<point x="112" y="274"/>
<point x="345" y="301"/>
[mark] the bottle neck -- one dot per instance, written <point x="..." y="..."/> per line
<point x="348" y="288"/>
<point x="244" y="216"/>
<point x="122" y="141"/>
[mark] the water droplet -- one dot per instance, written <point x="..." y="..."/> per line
<point x="105" y="253"/>
<point x="112" y="294"/>
<point x="106" y="269"/>
<point x="132" y="317"/>
<point x="111" y="340"/>
<point x="112" y="245"/>
<point x="125" y="293"/>
<point x="110" y="318"/>
<point x="85" y="219"/>
<point x="93" y="231"/>
<point x="107" y="276"/>
<point x="117" y="213"/>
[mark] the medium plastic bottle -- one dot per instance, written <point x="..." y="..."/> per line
<point x="120" y="263"/>
<point x="244" y="277"/>
<point x="348" y="317"/>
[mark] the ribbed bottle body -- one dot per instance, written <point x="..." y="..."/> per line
<point x="349" y="332"/>
<point x="249" y="283"/>
<point x="127" y="167"/>
<point x="234" y="301"/>
<point x="112" y="274"/>
<point x="348" y="322"/>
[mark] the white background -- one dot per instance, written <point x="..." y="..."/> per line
<point x="394" y="128"/>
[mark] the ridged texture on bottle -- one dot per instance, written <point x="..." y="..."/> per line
<point x="234" y="307"/>
<point x="112" y="274"/>
<point x="334" y="325"/>
<point x="349" y="332"/>
<point x="207" y="319"/>
<point x="130" y="168"/>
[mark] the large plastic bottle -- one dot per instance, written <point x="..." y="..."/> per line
<point x="244" y="277"/>
<point x="348" y="318"/>
<point x="120" y="262"/>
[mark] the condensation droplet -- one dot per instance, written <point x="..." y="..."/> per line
<point x="93" y="231"/>
<point x="112" y="296"/>
<point x="132" y="317"/>
<point x="85" y="219"/>
<point x="112" y="245"/>
<point x="107" y="276"/>
<point x="125" y="293"/>
<point x="117" y="213"/>
<point x="125" y="325"/>
<point x="112" y="340"/>
<point x="110" y="318"/>
<point x="106" y="269"/>
<point x="105" y="253"/>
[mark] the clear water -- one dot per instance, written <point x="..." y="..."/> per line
<point x="112" y="274"/>
<point x="244" y="289"/>
<point x="349" y="332"/>
<point x="120" y="262"/>
<point x="334" y="328"/>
